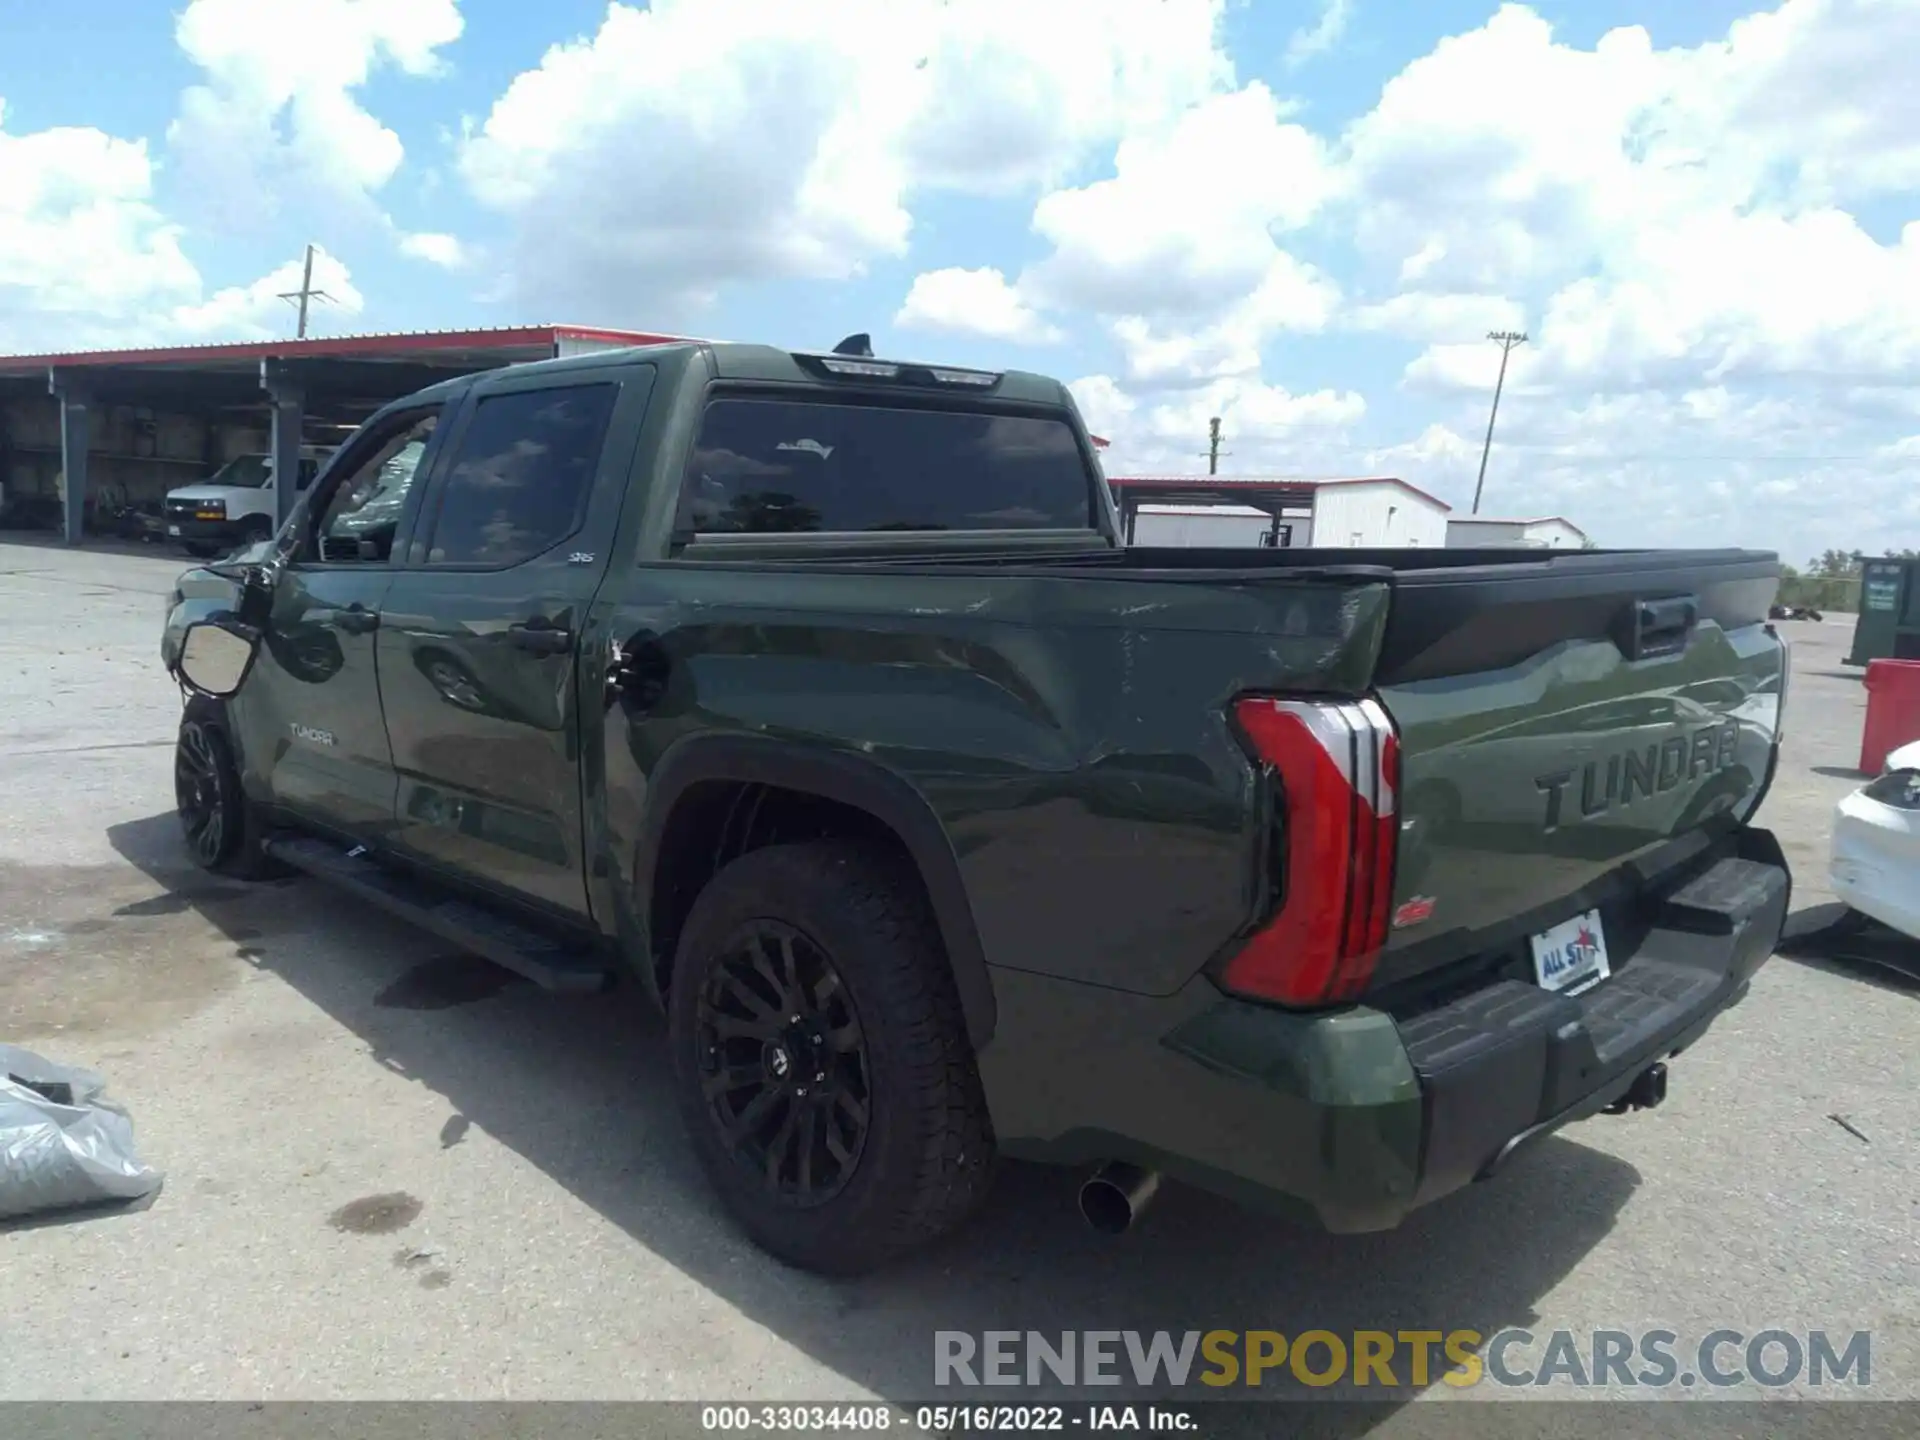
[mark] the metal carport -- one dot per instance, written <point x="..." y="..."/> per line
<point x="154" y="419"/>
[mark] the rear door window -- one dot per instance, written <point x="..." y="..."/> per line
<point x="518" y="479"/>
<point x="769" y="466"/>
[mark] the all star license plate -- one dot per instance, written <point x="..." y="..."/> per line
<point x="1572" y="956"/>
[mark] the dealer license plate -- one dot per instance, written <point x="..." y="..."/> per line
<point x="173" y="529"/>
<point x="1572" y="956"/>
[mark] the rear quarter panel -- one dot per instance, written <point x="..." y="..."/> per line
<point x="1070" y="734"/>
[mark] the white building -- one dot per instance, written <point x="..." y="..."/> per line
<point x="1547" y="532"/>
<point x="1204" y="525"/>
<point x="1252" y="510"/>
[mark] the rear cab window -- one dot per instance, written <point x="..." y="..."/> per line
<point x="831" y="466"/>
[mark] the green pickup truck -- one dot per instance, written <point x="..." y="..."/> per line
<point x="816" y="694"/>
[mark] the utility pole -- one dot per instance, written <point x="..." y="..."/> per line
<point x="1506" y="339"/>
<point x="305" y="293"/>
<point x="1214" y="452"/>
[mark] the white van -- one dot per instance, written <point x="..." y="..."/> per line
<point x="234" y="506"/>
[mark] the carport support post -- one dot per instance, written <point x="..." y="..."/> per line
<point x="74" y="439"/>
<point x="289" y="415"/>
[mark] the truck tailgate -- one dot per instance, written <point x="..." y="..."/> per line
<point x="1565" y="727"/>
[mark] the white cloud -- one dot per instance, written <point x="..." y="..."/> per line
<point x="1186" y="223"/>
<point x="1013" y="94"/>
<point x="1266" y="427"/>
<point x="259" y="311"/>
<point x="1437" y="315"/>
<point x="87" y="261"/>
<point x="82" y="246"/>
<point x="277" y="117"/>
<point x="1178" y="247"/>
<point x="1668" y="216"/>
<point x="1171" y="354"/>
<point x="973" y="302"/>
<point x="435" y="248"/>
<point x="692" y="145"/>
<point x="1724" y="327"/>
<point x="1322" y="35"/>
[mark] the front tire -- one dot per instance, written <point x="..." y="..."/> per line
<point x="821" y="1060"/>
<point x="219" y="824"/>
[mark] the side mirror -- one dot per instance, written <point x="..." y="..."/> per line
<point x="215" y="658"/>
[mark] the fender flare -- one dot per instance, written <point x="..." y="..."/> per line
<point x="851" y="780"/>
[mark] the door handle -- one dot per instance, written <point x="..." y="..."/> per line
<point x="1648" y="629"/>
<point x="539" y="638"/>
<point x="1664" y="627"/>
<point x="357" y="620"/>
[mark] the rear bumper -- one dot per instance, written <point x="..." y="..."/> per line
<point x="1352" y="1119"/>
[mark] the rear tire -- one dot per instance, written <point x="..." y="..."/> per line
<point x="821" y="1060"/>
<point x="220" y="825"/>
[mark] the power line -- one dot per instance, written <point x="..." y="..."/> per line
<point x="1506" y="339"/>
<point x="1214" y="452"/>
<point x="305" y="293"/>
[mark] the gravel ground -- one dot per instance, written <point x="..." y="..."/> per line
<point x="387" y="1179"/>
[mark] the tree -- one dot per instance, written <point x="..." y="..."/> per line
<point x="1836" y="564"/>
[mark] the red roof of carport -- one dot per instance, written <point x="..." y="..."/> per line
<point x="409" y="342"/>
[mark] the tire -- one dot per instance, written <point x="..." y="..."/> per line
<point x="200" y="549"/>
<point x="220" y="825"/>
<point x="256" y="529"/>
<point x="849" y="930"/>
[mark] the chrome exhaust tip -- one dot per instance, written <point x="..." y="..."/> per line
<point x="1114" y="1196"/>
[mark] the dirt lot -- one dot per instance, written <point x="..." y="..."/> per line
<point x="388" y="1176"/>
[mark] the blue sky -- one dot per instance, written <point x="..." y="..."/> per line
<point x="1301" y="217"/>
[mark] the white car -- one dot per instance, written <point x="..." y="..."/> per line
<point x="1876" y="845"/>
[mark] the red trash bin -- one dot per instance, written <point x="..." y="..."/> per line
<point x="1893" y="711"/>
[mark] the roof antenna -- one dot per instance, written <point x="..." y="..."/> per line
<point x="860" y="345"/>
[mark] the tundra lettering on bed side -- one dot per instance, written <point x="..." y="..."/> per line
<point x="1635" y="774"/>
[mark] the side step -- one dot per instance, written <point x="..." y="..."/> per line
<point x="550" y="964"/>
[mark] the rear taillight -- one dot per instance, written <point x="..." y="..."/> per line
<point x="1338" y="765"/>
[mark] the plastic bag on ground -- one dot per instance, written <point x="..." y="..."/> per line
<point x="61" y="1145"/>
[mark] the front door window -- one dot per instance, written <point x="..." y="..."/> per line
<point x="363" y="513"/>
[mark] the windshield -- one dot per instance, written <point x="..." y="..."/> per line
<point x="243" y="472"/>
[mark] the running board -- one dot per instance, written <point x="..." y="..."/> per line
<point x="548" y="963"/>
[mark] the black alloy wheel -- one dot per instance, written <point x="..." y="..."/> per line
<point x="820" y="1057"/>
<point x="202" y="794"/>
<point x="783" y="1062"/>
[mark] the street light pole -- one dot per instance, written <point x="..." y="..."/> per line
<point x="1506" y="339"/>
